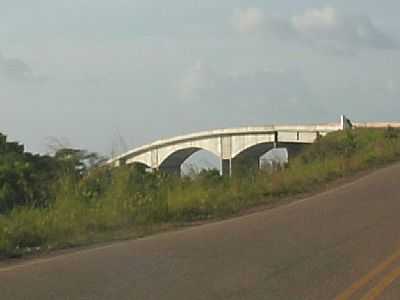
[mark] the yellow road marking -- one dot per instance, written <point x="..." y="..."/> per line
<point x="375" y="292"/>
<point x="367" y="278"/>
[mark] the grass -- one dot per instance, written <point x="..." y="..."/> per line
<point x="128" y="202"/>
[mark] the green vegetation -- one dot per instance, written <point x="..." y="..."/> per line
<point x="53" y="202"/>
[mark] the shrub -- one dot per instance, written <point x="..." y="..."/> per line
<point x="102" y="200"/>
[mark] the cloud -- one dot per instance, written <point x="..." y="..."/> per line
<point x="248" y="97"/>
<point x="196" y="80"/>
<point x="316" y="20"/>
<point x="248" y="20"/>
<point x="391" y="86"/>
<point x="16" y="70"/>
<point x="323" y="29"/>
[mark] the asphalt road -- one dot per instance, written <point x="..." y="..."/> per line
<point x="342" y="244"/>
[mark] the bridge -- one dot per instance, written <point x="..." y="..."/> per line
<point x="235" y="147"/>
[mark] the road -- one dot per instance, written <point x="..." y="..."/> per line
<point x="341" y="244"/>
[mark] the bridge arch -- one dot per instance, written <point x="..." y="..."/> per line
<point x="187" y="148"/>
<point x="254" y="150"/>
<point x="249" y="157"/>
<point x="171" y="162"/>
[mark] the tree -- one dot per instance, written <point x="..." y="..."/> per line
<point x="24" y="178"/>
<point x="77" y="161"/>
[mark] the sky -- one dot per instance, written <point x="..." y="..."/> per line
<point x="108" y="76"/>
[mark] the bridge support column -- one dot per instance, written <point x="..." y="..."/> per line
<point x="120" y="162"/>
<point x="226" y="167"/>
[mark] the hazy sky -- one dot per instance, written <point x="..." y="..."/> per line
<point x="93" y="73"/>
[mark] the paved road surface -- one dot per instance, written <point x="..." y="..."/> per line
<point x="343" y="244"/>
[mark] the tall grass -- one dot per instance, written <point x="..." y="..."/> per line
<point x="106" y="200"/>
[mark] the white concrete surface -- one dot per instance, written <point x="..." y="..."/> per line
<point x="230" y="144"/>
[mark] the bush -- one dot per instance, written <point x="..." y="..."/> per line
<point x="78" y="207"/>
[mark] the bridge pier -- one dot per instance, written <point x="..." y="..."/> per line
<point x="120" y="162"/>
<point x="226" y="167"/>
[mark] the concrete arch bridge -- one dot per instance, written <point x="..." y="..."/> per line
<point x="235" y="146"/>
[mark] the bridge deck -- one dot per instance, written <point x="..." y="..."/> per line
<point x="248" y="130"/>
